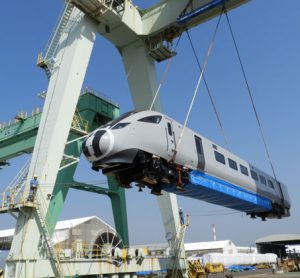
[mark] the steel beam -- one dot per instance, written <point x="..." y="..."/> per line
<point x="141" y="75"/>
<point x="62" y="96"/>
<point x="20" y="137"/>
<point x="163" y="17"/>
<point x="118" y="203"/>
<point x="62" y="185"/>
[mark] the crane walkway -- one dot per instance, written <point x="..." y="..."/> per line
<point x="14" y="197"/>
<point x="5" y="208"/>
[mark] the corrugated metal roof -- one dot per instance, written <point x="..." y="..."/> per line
<point x="61" y="225"/>
<point x="7" y="233"/>
<point x="209" y="245"/>
<point x="67" y="224"/>
<point x="279" y="238"/>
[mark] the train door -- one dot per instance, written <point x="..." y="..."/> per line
<point x="200" y="153"/>
<point x="170" y="138"/>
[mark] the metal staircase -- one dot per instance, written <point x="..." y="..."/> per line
<point x="17" y="185"/>
<point x="79" y="125"/>
<point x="179" y="241"/>
<point x="12" y="198"/>
<point x="47" y="60"/>
<point x="48" y="241"/>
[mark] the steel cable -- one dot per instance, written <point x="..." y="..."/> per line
<point x="209" y="92"/>
<point x="197" y="86"/>
<point x="252" y="99"/>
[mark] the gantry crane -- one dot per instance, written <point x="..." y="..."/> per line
<point x="142" y="37"/>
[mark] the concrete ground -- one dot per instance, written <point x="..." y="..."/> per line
<point x="263" y="273"/>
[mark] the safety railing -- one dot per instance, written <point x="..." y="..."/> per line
<point x="81" y="250"/>
<point x="117" y="5"/>
<point x="23" y="115"/>
<point x="99" y="94"/>
<point x="79" y="123"/>
<point x="9" y="200"/>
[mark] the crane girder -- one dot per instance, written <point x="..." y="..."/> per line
<point x="122" y="23"/>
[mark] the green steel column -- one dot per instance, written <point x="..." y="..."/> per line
<point x="20" y="137"/>
<point x="63" y="182"/>
<point x="118" y="203"/>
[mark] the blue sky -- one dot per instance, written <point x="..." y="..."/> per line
<point x="267" y="33"/>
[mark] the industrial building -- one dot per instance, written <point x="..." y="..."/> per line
<point x="200" y="248"/>
<point x="89" y="237"/>
<point x="72" y="234"/>
<point x="277" y="244"/>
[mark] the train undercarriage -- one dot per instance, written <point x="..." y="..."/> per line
<point x="146" y="170"/>
<point x="151" y="171"/>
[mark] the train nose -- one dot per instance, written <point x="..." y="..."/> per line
<point x="85" y="149"/>
<point x="98" y="144"/>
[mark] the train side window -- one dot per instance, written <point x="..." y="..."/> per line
<point x="198" y="145"/>
<point x="220" y="157"/>
<point x="263" y="180"/>
<point x="169" y="129"/>
<point x="151" y="119"/>
<point x="232" y="164"/>
<point x="254" y="175"/>
<point x="270" y="183"/>
<point x="244" y="170"/>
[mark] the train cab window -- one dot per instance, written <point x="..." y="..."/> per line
<point x="122" y="117"/>
<point x="270" y="184"/>
<point x="120" y="125"/>
<point x="254" y="175"/>
<point x="170" y="129"/>
<point x="198" y="145"/>
<point x="244" y="170"/>
<point x="151" y="119"/>
<point x="220" y="157"/>
<point x="232" y="164"/>
<point x="263" y="180"/>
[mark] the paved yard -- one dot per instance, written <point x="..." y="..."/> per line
<point x="257" y="273"/>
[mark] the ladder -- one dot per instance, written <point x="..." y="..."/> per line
<point x="79" y="124"/>
<point x="49" y="244"/>
<point x="17" y="184"/>
<point x="178" y="250"/>
<point x="46" y="61"/>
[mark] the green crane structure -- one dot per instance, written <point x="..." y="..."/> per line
<point x="18" y="137"/>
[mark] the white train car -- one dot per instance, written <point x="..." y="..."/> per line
<point x="140" y="147"/>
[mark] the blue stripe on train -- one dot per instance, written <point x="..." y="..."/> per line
<point x="216" y="191"/>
